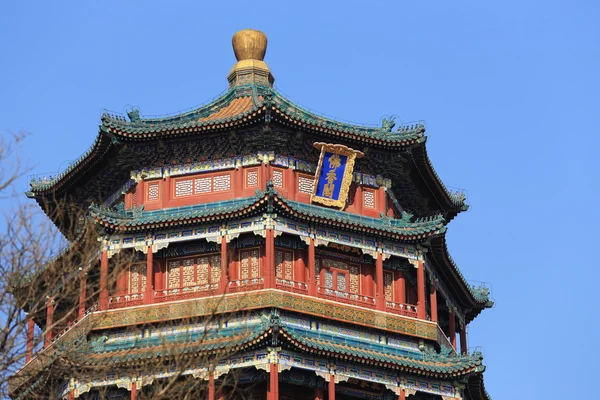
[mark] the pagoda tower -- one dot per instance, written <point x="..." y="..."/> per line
<point x="271" y="254"/>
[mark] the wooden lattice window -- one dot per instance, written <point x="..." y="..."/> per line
<point x="338" y="277"/>
<point x="137" y="279"/>
<point x="305" y="184"/>
<point x="369" y="198"/>
<point x="284" y="264"/>
<point x="278" y="178"/>
<point x="201" y="273"/>
<point x="249" y="264"/>
<point x="388" y="285"/>
<point x="251" y="178"/>
<point x="202" y="185"/>
<point x="153" y="191"/>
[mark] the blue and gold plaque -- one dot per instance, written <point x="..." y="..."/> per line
<point x="334" y="174"/>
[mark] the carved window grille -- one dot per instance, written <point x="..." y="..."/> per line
<point x="194" y="273"/>
<point x="305" y="184"/>
<point x="369" y="198"/>
<point x="284" y="264"/>
<point x="252" y="178"/>
<point x="184" y="188"/>
<point x="388" y="284"/>
<point x="339" y="277"/>
<point x="202" y="185"/>
<point x="222" y="183"/>
<point x="137" y="278"/>
<point x="278" y="178"/>
<point x="249" y="264"/>
<point x="153" y="191"/>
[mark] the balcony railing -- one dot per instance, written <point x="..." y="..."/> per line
<point x="126" y="300"/>
<point x="345" y="297"/>
<point x="246" y="285"/>
<point x="291" y="286"/>
<point x="408" y="310"/>
<point x="186" y="292"/>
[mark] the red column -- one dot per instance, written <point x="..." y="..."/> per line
<point x="402" y="395"/>
<point x="273" y="389"/>
<point x="133" y="391"/>
<point x="319" y="393"/>
<point x="71" y="395"/>
<point x="30" y="331"/>
<point x="400" y="287"/>
<point x="312" y="279"/>
<point x="211" y="385"/>
<point x="270" y="260"/>
<point x="299" y="266"/>
<point x="224" y="265"/>
<point x="149" y="295"/>
<point x="433" y="302"/>
<point x="104" y="281"/>
<point x="380" y="296"/>
<point x="331" y="388"/>
<point x="367" y="288"/>
<point x="452" y="326"/>
<point x="82" y="294"/>
<point x="463" y="340"/>
<point x="49" y="318"/>
<point x="421" y="314"/>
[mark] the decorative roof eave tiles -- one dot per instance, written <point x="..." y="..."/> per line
<point x="88" y="159"/>
<point x="395" y="228"/>
<point x="475" y="389"/>
<point x="453" y="203"/>
<point x="139" y="220"/>
<point x="135" y="220"/>
<point x="437" y="366"/>
<point x="289" y="113"/>
<point x="206" y="346"/>
<point x="475" y="298"/>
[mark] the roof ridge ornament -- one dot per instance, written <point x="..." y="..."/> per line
<point x="250" y="47"/>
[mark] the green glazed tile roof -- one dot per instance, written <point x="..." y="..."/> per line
<point x="432" y="364"/>
<point x="421" y="228"/>
<point x="138" y="219"/>
<point x="130" y="220"/>
<point x="100" y="351"/>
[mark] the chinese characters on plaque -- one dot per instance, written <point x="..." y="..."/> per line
<point x="334" y="174"/>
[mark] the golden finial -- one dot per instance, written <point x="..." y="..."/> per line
<point x="249" y="44"/>
<point x="250" y="47"/>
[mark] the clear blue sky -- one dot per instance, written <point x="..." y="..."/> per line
<point x="509" y="91"/>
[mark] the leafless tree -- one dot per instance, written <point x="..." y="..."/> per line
<point x="34" y="269"/>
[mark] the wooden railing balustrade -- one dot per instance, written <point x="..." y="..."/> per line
<point x="291" y="286"/>
<point x="246" y="285"/>
<point x="408" y="310"/>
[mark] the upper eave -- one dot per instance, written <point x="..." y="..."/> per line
<point x="132" y="221"/>
<point x="243" y="106"/>
<point x="473" y="299"/>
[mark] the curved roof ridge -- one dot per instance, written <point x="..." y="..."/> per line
<point x="293" y="109"/>
<point x="478" y="296"/>
<point x="457" y="199"/>
<point x="177" y="116"/>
